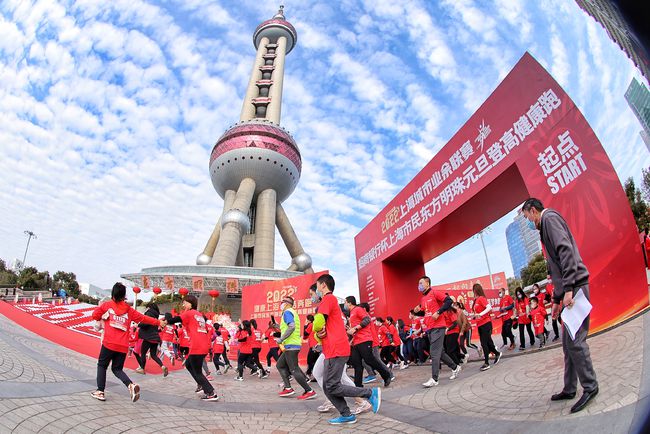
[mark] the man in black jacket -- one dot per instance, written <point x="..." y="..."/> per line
<point x="569" y="275"/>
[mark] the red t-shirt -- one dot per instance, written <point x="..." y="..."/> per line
<point x="218" y="345"/>
<point x="506" y="301"/>
<point x="311" y="340"/>
<point x="117" y="326"/>
<point x="538" y="314"/>
<point x="522" y="316"/>
<point x="167" y="333"/>
<point x="430" y="303"/>
<point x="335" y="343"/>
<point x="373" y="331"/>
<point x="269" y="336"/>
<point x="480" y="304"/>
<point x="450" y="317"/>
<point x="393" y="331"/>
<point x="245" y="347"/>
<point x="257" y="339"/>
<point x="383" y="336"/>
<point x="200" y="339"/>
<point x="183" y="338"/>
<point x="364" y="334"/>
<point x="416" y="326"/>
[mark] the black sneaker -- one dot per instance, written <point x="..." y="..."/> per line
<point x="199" y="389"/>
<point x="210" y="398"/>
<point x="497" y="357"/>
<point x="485" y="367"/>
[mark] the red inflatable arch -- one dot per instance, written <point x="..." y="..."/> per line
<point x="527" y="139"/>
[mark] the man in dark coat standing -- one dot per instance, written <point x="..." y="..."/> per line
<point x="569" y="275"/>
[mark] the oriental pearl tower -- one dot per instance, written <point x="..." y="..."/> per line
<point x="255" y="165"/>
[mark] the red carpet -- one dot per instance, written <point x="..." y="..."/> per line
<point x="72" y="328"/>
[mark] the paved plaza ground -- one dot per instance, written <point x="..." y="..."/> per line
<point x="46" y="388"/>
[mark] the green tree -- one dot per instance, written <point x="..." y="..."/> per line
<point x="513" y="283"/>
<point x="645" y="183"/>
<point x="7" y="277"/>
<point x="637" y="204"/>
<point x="535" y="270"/>
<point x="31" y="278"/>
<point x="67" y="281"/>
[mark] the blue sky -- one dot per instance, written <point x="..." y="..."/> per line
<point x="109" y="110"/>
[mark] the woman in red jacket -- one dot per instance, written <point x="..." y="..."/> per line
<point x="200" y="342"/>
<point x="482" y="313"/>
<point x="117" y="316"/>
<point x="245" y="338"/>
<point x="521" y="309"/>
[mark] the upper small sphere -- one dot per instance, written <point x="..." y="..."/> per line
<point x="274" y="28"/>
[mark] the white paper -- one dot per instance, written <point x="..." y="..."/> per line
<point x="574" y="316"/>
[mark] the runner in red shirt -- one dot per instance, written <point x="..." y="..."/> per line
<point x="200" y="341"/>
<point x="312" y="355"/>
<point x="226" y="343"/>
<point x="434" y="304"/>
<point x="522" y="308"/>
<point x="245" y="337"/>
<point x="117" y="317"/>
<point x="256" y="345"/>
<point x="386" y="341"/>
<point x="452" y="335"/>
<point x="397" y="342"/>
<point x="218" y="346"/>
<point x="167" y="336"/>
<point x="482" y="311"/>
<point x="364" y="337"/>
<point x="336" y="351"/>
<point x="506" y="308"/>
<point x="274" y="350"/>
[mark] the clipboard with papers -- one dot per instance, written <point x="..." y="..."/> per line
<point x="574" y="316"/>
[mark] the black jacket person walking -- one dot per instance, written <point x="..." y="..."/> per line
<point x="569" y="275"/>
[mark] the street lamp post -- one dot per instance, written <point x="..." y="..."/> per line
<point x="30" y="235"/>
<point x="480" y="234"/>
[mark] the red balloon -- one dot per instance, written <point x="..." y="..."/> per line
<point x="157" y="290"/>
<point x="183" y="291"/>
<point x="136" y="290"/>
<point x="213" y="293"/>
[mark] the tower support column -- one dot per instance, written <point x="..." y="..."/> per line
<point x="234" y="223"/>
<point x="208" y="252"/>
<point x="300" y="261"/>
<point x="264" y="253"/>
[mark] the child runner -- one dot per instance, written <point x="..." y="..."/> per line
<point x="167" y="337"/>
<point x="257" y="349"/>
<point x="194" y="322"/>
<point x="217" y="349"/>
<point x="537" y="314"/>
<point x="116" y="340"/>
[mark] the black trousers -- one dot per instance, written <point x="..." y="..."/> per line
<point x="194" y="365"/>
<point x="386" y="354"/>
<point x="242" y="360"/>
<point x="452" y="347"/>
<point x="256" y="358"/>
<point x="506" y="332"/>
<point x="116" y="360"/>
<point x="225" y="357"/>
<point x="363" y="351"/>
<point x="152" y="348"/>
<point x="273" y="353"/>
<point x="485" y="334"/>
<point x="312" y="356"/>
<point x="531" y="335"/>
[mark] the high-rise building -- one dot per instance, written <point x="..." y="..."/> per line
<point x="638" y="98"/>
<point x="523" y="243"/>
<point x="608" y="15"/>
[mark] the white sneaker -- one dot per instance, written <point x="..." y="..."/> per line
<point x="403" y="365"/>
<point x="362" y="408"/>
<point x="325" y="407"/>
<point x="455" y="372"/>
<point x="430" y="383"/>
